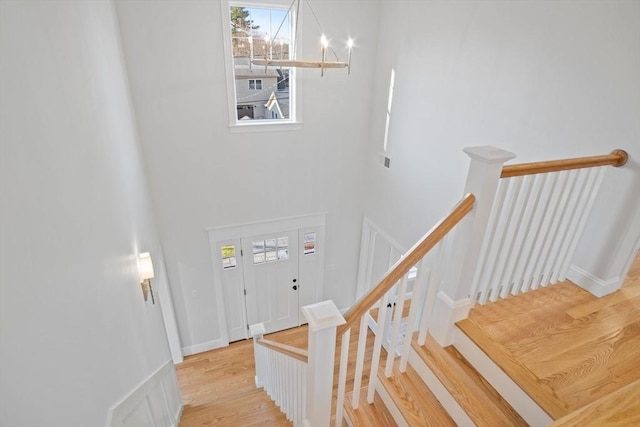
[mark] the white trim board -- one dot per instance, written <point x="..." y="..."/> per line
<point x="591" y="283"/>
<point x="371" y="233"/>
<point x="155" y="401"/>
<point x="205" y="346"/>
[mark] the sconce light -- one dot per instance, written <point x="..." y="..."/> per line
<point x="146" y="274"/>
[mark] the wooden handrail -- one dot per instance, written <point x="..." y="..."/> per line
<point x="295" y="352"/>
<point x="411" y="258"/>
<point x="617" y="158"/>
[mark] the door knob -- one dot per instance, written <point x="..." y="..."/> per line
<point x="295" y="280"/>
<point x="295" y="288"/>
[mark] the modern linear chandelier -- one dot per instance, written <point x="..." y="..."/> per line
<point x="270" y="61"/>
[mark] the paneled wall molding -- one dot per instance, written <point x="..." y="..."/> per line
<point x="155" y="402"/>
<point x="373" y="235"/>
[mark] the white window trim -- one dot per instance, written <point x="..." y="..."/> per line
<point x="295" y="94"/>
<point x="255" y="84"/>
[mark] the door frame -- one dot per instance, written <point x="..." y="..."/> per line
<point x="246" y="230"/>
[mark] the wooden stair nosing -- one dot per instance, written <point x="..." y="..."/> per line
<point x="540" y="393"/>
<point x="482" y="403"/>
<point x="414" y="400"/>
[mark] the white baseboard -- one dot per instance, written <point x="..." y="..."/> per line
<point x="591" y="283"/>
<point x="156" y="401"/>
<point x="446" y="312"/>
<point x="504" y="385"/>
<point x="205" y="346"/>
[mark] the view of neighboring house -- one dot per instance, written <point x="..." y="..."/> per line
<point x="261" y="92"/>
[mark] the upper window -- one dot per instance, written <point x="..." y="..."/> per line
<point x="260" y="93"/>
<point x="255" y="84"/>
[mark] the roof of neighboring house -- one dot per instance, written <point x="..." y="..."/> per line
<point x="244" y="71"/>
<point x="273" y="103"/>
<point x="280" y="101"/>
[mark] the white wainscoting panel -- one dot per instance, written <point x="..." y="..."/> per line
<point x="154" y="403"/>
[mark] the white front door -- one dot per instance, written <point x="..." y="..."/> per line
<point x="270" y="265"/>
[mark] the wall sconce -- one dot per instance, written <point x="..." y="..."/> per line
<point x="146" y="274"/>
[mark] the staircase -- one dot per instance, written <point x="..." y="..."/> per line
<point x="423" y="369"/>
<point x="465" y="397"/>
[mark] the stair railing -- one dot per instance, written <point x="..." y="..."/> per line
<point x="476" y="243"/>
<point x="425" y="287"/>
<point x="300" y="382"/>
<point x="281" y="370"/>
<point x="538" y="217"/>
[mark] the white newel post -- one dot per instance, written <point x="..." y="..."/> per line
<point x="257" y="332"/>
<point x="452" y="302"/>
<point x="323" y="318"/>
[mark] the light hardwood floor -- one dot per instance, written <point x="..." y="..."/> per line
<point x="567" y="347"/>
<point x="218" y="387"/>
<point x="576" y="347"/>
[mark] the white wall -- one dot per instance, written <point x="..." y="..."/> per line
<point x="202" y="176"/>
<point x="543" y="79"/>
<point x="76" y="336"/>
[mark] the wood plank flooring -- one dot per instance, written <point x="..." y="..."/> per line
<point x="567" y="347"/>
<point x="218" y="387"/>
<point x="574" y="347"/>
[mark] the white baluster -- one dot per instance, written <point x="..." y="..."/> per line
<point x="377" y="346"/>
<point x="362" y="346"/>
<point x="562" y="234"/>
<point x="547" y="228"/>
<point x="500" y="241"/>
<point x="596" y="175"/>
<point x="540" y="227"/>
<point x="516" y="236"/>
<point x="417" y="302"/>
<point x="520" y="230"/>
<point x="509" y="235"/>
<point x="342" y="375"/>
<point x="397" y="320"/>
<point x="432" y="282"/>
<point x="257" y="332"/>
<point x="573" y="213"/>
<point x="553" y="238"/>
<point x="491" y="249"/>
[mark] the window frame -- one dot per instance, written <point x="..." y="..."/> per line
<point x="294" y="122"/>
<point x="257" y="85"/>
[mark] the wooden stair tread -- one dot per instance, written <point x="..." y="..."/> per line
<point x="540" y="392"/>
<point x="620" y="408"/>
<point x="482" y="403"/>
<point x="375" y="414"/>
<point x="414" y="400"/>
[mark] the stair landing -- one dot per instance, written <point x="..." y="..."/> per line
<point x="563" y="346"/>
